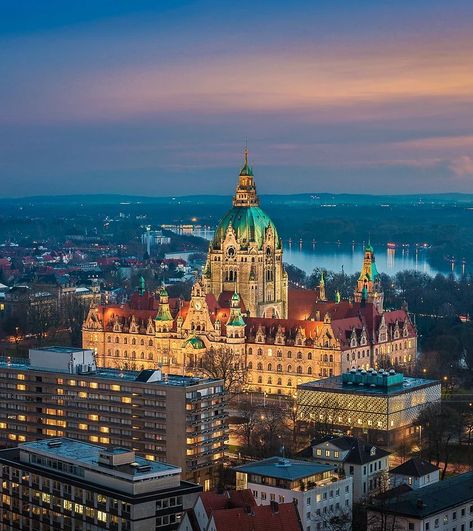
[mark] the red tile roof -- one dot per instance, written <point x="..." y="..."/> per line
<point x="275" y="517"/>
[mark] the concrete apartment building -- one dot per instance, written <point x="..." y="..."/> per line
<point x="66" y="484"/>
<point x="317" y="490"/>
<point x="378" y="406"/>
<point x="60" y="392"/>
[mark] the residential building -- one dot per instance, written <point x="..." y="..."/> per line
<point x="319" y="492"/>
<point x="62" y="483"/>
<point x="446" y="505"/>
<point x="415" y="472"/>
<point x="367" y="464"/>
<point x="378" y="406"/>
<point x="283" y="335"/>
<point x="199" y="516"/>
<point x="59" y="392"/>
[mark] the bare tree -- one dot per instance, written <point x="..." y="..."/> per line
<point x="74" y="311"/>
<point x="440" y="425"/>
<point x="338" y="521"/>
<point x="225" y="364"/>
<point x="249" y="417"/>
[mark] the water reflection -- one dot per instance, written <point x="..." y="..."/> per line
<point x="334" y="257"/>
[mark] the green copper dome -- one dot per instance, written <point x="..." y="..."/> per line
<point x="249" y="223"/>
<point x="195" y="342"/>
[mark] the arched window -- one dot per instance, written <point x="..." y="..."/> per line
<point x="289" y="383"/>
<point x="125" y="340"/>
<point x="289" y="354"/>
<point x="133" y="355"/>
<point x="142" y="342"/>
<point x="260" y="352"/>
<point x="117" y="353"/>
<point x="133" y="341"/>
<point x="109" y="339"/>
<point x="270" y="380"/>
<point x="299" y="369"/>
<point x="260" y="379"/>
<point x="250" y="365"/>
<point x="279" y="354"/>
<point x="270" y="367"/>
<point x="289" y="368"/>
<point x="279" y="381"/>
<point x="331" y="358"/>
<point x="325" y="358"/>
<point x="150" y="343"/>
<point x="250" y="351"/>
<point x="299" y="355"/>
<point x="142" y="356"/>
<point x="260" y="366"/>
<point x="117" y="340"/>
<point x="309" y="370"/>
<point x="279" y="367"/>
<point x="309" y="356"/>
<point x="150" y="355"/>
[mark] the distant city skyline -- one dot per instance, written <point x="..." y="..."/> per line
<point x="157" y="98"/>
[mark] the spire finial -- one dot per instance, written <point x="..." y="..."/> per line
<point x="246" y="151"/>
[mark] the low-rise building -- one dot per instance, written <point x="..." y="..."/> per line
<point x="367" y="464"/>
<point x="318" y="491"/>
<point x="445" y="505"/>
<point x="415" y="472"/>
<point x="66" y="484"/>
<point x="59" y="392"/>
<point x="379" y="406"/>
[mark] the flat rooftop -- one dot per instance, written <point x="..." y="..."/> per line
<point x="111" y="374"/>
<point x="281" y="468"/>
<point x="87" y="455"/>
<point x="61" y="350"/>
<point x="335" y="384"/>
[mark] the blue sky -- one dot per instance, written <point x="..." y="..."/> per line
<point x="157" y="98"/>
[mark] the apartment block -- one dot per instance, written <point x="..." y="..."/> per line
<point x="59" y="392"/>
<point x="65" y="484"/>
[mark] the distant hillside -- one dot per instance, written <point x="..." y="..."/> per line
<point x="324" y="199"/>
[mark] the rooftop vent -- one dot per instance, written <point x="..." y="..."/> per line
<point x="283" y="463"/>
<point x="143" y="468"/>
<point x="54" y="444"/>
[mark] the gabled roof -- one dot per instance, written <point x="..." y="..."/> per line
<point x="432" y="499"/>
<point x="414" y="467"/>
<point x="359" y="452"/>
<point x="213" y="501"/>
<point x="275" y="517"/>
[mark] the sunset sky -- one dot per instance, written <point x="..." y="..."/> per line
<point x="157" y="97"/>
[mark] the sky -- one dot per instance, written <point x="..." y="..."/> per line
<point x="158" y="97"/>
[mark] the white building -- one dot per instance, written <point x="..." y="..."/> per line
<point x="318" y="491"/>
<point x="368" y="465"/>
<point x="416" y="473"/>
<point x="443" y="506"/>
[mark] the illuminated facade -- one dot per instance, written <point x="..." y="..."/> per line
<point x="66" y="484"/>
<point x="380" y="407"/>
<point x="176" y="419"/>
<point x="283" y="336"/>
<point x="245" y="255"/>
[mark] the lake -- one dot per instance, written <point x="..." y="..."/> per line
<point x="333" y="257"/>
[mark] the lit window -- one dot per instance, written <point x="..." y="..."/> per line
<point x="93" y="417"/>
<point x="115" y="387"/>
<point x="83" y="426"/>
<point x="126" y="399"/>
<point x="71" y="382"/>
<point x="82" y="394"/>
<point x="94" y="385"/>
<point x="20" y="376"/>
<point x="93" y="438"/>
<point x="21" y="417"/>
<point x="21" y="387"/>
<point x="101" y="516"/>
<point x="3" y="425"/>
<point x="104" y="429"/>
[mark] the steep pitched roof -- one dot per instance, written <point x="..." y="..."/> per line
<point x="214" y="501"/>
<point x="276" y="517"/>
<point x="359" y="452"/>
<point x="414" y="467"/>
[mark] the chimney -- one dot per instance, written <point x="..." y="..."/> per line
<point x="274" y="507"/>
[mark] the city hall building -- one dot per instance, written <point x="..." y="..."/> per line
<point x="284" y="336"/>
<point x="378" y="406"/>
